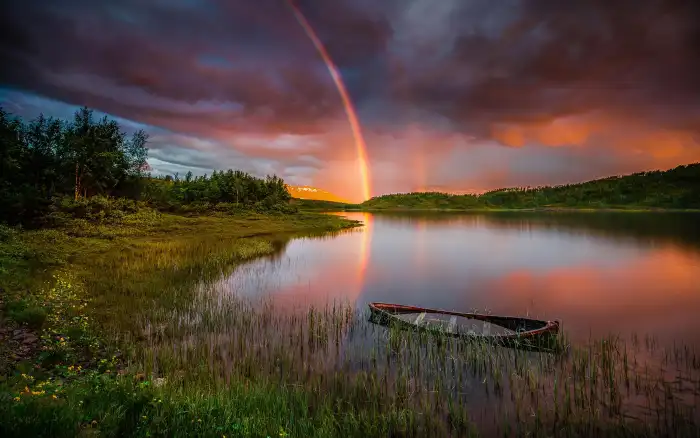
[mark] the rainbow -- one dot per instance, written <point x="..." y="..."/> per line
<point x="365" y="244"/>
<point x="360" y="144"/>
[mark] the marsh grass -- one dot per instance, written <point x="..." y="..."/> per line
<point x="144" y="258"/>
<point x="447" y="387"/>
<point x="180" y="355"/>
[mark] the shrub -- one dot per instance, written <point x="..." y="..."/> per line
<point x="33" y="317"/>
<point x="27" y="314"/>
<point x="6" y="233"/>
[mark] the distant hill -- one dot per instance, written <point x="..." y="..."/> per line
<point x="312" y="193"/>
<point x="677" y="188"/>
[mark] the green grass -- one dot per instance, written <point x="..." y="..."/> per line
<point x="139" y="339"/>
<point x="145" y="253"/>
<point x="266" y="372"/>
<point x="96" y="404"/>
<point x="114" y="274"/>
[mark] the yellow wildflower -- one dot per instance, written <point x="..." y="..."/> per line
<point x="16" y="398"/>
<point x="62" y="340"/>
<point x="70" y="368"/>
<point x="54" y="397"/>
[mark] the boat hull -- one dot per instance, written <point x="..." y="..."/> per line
<point x="526" y="332"/>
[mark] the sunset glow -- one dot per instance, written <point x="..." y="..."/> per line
<point x="451" y="98"/>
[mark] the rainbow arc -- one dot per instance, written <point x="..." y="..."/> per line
<point x="360" y="144"/>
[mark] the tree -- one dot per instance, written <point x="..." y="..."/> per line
<point x="46" y="157"/>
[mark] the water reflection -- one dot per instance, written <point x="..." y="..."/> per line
<point x="309" y="271"/>
<point x="365" y="243"/>
<point x="598" y="273"/>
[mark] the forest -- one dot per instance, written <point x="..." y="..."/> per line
<point x="677" y="188"/>
<point x="88" y="167"/>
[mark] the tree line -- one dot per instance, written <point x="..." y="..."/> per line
<point x="677" y="188"/>
<point x="49" y="164"/>
<point x="224" y="187"/>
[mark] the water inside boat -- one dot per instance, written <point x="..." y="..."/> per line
<point x="454" y="324"/>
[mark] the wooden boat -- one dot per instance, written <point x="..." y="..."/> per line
<point x="505" y="330"/>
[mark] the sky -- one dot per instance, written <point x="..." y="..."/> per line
<point x="451" y="95"/>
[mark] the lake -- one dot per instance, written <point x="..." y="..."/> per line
<point x="598" y="273"/>
<point x="626" y="287"/>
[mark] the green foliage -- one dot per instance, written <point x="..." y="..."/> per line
<point x="99" y="404"/>
<point x="222" y="191"/>
<point x="53" y="171"/>
<point x="94" y="209"/>
<point x="47" y="158"/>
<point x="677" y="188"/>
<point x="6" y="233"/>
<point x="423" y="200"/>
<point x="27" y="314"/>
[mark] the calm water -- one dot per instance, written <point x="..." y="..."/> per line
<point x="599" y="273"/>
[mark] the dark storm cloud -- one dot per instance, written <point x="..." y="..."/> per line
<point x="550" y="58"/>
<point x="123" y="57"/>
<point x="474" y="62"/>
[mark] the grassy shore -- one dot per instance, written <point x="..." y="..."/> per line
<point x="137" y="262"/>
<point x="74" y="296"/>
<point x="123" y="330"/>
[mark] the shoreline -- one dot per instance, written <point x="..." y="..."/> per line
<point x="507" y="210"/>
<point x="143" y="252"/>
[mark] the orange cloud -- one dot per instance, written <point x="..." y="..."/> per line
<point x="616" y="133"/>
<point x="509" y="135"/>
<point x="661" y="144"/>
<point x="560" y="131"/>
